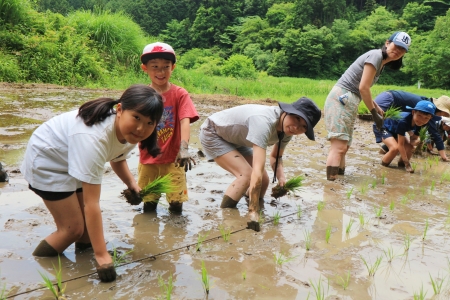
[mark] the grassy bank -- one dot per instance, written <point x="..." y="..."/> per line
<point x="284" y="89"/>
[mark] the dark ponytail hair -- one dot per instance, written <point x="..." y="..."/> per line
<point x="395" y="64"/>
<point x="140" y="98"/>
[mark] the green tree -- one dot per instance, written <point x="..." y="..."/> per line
<point x="239" y="66"/>
<point x="177" y="35"/>
<point x="418" y="16"/>
<point x="279" y="66"/>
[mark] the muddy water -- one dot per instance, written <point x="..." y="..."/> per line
<point x="242" y="267"/>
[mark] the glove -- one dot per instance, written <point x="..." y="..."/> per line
<point x="107" y="272"/>
<point x="184" y="158"/>
<point x="377" y="118"/>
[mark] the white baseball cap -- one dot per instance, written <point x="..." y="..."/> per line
<point x="401" y="39"/>
<point x="158" y="50"/>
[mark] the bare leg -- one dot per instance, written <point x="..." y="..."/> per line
<point x="336" y="157"/>
<point x="237" y="165"/>
<point x="69" y="220"/>
<point x="392" y="153"/>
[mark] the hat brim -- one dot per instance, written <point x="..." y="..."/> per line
<point x="288" y="108"/>
<point x="409" y="108"/>
<point x="401" y="45"/>
<point x="164" y="55"/>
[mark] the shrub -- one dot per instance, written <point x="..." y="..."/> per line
<point x="239" y="66"/>
<point x="9" y="68"/>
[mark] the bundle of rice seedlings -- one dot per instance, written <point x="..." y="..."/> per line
<point x="423" y="135"/>
<point x="291" y="185"/>
<point x="158" y="186"/>
<point x="393" y="113"/>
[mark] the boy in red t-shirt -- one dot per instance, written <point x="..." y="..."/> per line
<point x="158" y="61"/>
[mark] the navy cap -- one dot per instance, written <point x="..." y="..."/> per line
<point x="306" y="109"/>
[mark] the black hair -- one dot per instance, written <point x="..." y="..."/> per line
<point x="140" y="98"/>
<point x="395" y="64"/>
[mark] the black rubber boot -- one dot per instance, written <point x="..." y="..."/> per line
<point x="82" y="246"/>
<point x="227" y="202"/>
<point x="45" y="250"/>
<point x="341" y="171"/>
<point x="150" y="206"/>
<point x="176" y="207"/>
<point x="332" y="173"/>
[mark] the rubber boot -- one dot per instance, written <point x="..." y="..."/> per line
<point x="45" y="250"/>
<point x="400" y="163"/>
<point x="176" y="206"/>
<point x="384" y="164"/>
<point x="227" y="202"/>
<point x="150" y="206"/>
<point x="332" y="173"/>
<point x="341" y="171"/>
<point x="82" y="246"/>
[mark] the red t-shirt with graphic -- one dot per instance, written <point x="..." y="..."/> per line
<point x="177" y="106"/>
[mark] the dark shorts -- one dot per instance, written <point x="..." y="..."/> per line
<point x="53" y="196"/>
<point x="382" y="134"/>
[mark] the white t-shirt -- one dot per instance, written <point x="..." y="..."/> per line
<point x="249" y="124"/>
<point x="64" y="152"/>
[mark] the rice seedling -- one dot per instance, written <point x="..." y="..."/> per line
<point x="389" y="253"/>
<point x="437" y="284"/>
<point x="379" y="211"/>
<point x="423" y="135"/>
<point x="58" y="292"/>
<point x="244" y="275"/>
<point x="445" y="177"/>
<point x="280" y="258"/>
<point x="423" y="191"/>
<point x="363" y="189"/>
<point x="349" y="193"/>
<point x="328" y="233"/>
<point x="276" y="217"/>
<point x="161" y="185"/>
<point x="320" y="205"/>
<point x="3" y="292"/>
<point x="307" y="235"/>
<point x="407" y="242"/>
<point x="118" y="258"/>
<point x="344" y="281"/>
<point x="372" y="268"/>
<point x="319" y="288"/>
<point x="362" y="219"/>
<point x="200" y="239"/>
<point x="425" y="230"/>
<point x="393" y="113"/>
<point x="348" y="228"/>
<point x="420" y="295"/>
<point x="414" y="166"/>
<point x="205" y="279"/>
<point x="299" y="211"/>
<point x="292" y="185"/>
<point x="374" y="183"/>
<point x="404" y="199"/>
<point x="225" y="232"/>
<point x="436" y="160"/>
<point x="166" y="287"/>
<point x="392" y="205"/>
<point x="432" y="187"/>
<point x="383" y="178"/>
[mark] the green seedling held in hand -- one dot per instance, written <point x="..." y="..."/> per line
<point x="161" y="185"/>
<point x="393" y="113"/>
<point x="292" y="185"/>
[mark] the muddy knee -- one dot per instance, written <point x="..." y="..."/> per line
<point x="227" y="202"/>
<point x="44" y="249"/>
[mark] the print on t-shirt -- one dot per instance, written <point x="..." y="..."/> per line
<point x="166" y="124"/>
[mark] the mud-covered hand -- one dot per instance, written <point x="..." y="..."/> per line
<point x="377" y="118"/>
<point x="184" y="159"/>
<point x="107" y="272"/>
<point x="408" y="167"/>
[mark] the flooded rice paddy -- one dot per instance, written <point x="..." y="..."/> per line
<point x="375" y="233"/>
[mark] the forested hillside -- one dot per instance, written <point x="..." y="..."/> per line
<point x="299" y="38"/>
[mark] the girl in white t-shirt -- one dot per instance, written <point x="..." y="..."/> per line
<point x="64" y="163"/>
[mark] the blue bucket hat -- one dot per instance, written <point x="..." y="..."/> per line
<point x="424" y="106"/>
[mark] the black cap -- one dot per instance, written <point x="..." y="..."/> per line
<point x="307" y="109"/>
